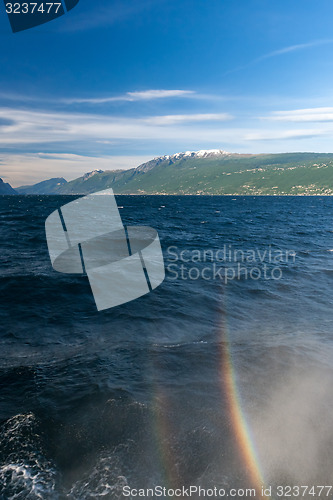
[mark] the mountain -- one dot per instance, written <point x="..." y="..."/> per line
<point x="212" y="153"/>
<point x="97" y="180"/>
<point x="6" y="188"/>
<point x="51" y="186"/>
<point x="215" y="172"/>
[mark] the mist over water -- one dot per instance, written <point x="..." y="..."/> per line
<point x="91" y="402"/>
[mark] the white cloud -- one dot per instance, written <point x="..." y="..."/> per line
<point x="158" y="94"/>
<point x="36" y="127"/>
<point x="174" y="119"/>
<point x="294" y="48"/>
<point x="282" y="51"/>
<point x="274" y="135"/>
<point x="303" y="115"/>
<point x="134" y="96"/>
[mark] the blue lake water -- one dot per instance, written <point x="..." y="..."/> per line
<point x="222" y="376"/>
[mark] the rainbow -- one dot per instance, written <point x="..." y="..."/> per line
<point x="245" y="443"/>
<point x="240" y="426"/>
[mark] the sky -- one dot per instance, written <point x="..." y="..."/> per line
<point x="114" y="83"/>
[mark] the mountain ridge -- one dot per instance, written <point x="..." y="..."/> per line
<point x="212" y="172"/>
<point x="6" y="188"/>
<point x="49" y="186"/>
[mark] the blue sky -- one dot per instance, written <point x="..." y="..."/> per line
<point x="114" y="83"/>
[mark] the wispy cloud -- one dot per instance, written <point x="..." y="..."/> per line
<point x="145" y="95"/>
<point x="36" y="127"/>
<point x="294" y="48"/>
<point x="276" y="135"/>
<point x="158" y="94"/>
<point x="191" y="118"/>
<point x="303" y="115"/>
<point x="29" y="127"/>
<point x="282" y="51"/>
<point x="133" y="96"/>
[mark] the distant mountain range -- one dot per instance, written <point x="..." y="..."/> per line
<point x="45" y="187"/>
<point x="207" y="172"/>
<point x="6" y="188"/>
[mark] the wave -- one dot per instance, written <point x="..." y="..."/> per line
<point x="25" y="472"/>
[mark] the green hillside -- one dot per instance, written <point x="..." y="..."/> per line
<point x="280" y="174"/>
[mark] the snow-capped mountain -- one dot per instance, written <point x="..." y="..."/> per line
<point x="203" y="153"/>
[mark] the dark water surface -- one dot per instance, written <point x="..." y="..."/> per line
<point x="138" y="395"/>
